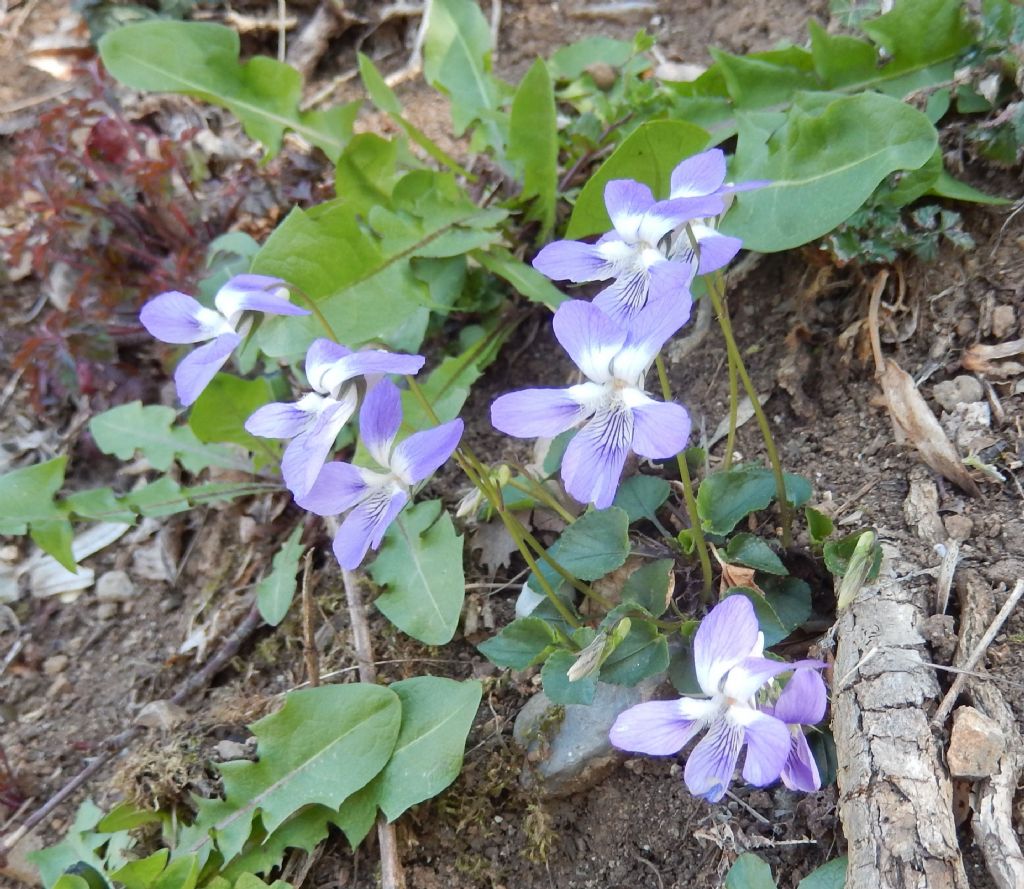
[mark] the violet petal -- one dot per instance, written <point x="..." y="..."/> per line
<point x="423" y="453"/>
<point x="195" y="370"/>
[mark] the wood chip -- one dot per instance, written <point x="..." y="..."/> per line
<point x="990" y="360"/>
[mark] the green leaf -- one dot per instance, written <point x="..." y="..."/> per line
<point x="126" y="816"/>
<point x="749" y="872"/>
<point x="182" y="873"/>
<point x="831" y="875"/>
<point x="840" y="59"/>
<point x="141" y="874"/>
<point x="649" y="155"/>
<point x="785" y="605"/>
<point x="947" y="186"/>
<point x="420" y="564"/>
<point x="533" y="144"/>
<point x="358" y="814"/>
<point x="132" y="427"/>
<point x="304" y="830"/>
<point x="80" y="844"/>
<point x="918" y="34"/>
<point x="54" y="536"/>
<point x="220" y="412"/>
<point x="457" y="62"/>
<point x="159" y="498"/>
<point x="201" y="60"/>
<point x="819" y="525"/>
<point x="595" y="544"/>
<point x="766" y="79"/>
<point x="275" y="592"/>
<point x="642" y="496"/>
<point x="822" y="163"/>
<point x="643" y="653"/>
<point x="569" y="62"/>
<point x="385" y="99"/>
<point x="649" y="586"/>
<point x="98" y="503"/>
<point x="437" y="714"/>
<point x="727" y="497"/>
<point x="838" y="554"/>
<point x="26" y="495"/>
<point x="525" y="278"/>
<point x="753" y="552"/>
<point x="368" y="291"/>
<point x="557" y="685"/>
<point x="523" y="643"/>
<point x="366" y="172"/>
<point x="323" y="745"/>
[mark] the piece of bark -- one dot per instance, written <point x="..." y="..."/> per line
<point x="895" y="798"/>
<point x="992" y="797"/>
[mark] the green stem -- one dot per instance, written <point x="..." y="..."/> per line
<point x="716" y="291"/>
<point x="734" y="404"/>
<point x="537" y="490"/>
<point x="315" y="309"/>
<point x="691" y="502"/>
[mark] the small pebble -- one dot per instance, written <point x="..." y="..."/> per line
<point x="115" y="586"/>
<point x="56" y="664"/>
<point x="1004" y="320"/>
<point x="58" y="687"/>
<point x="963" y="389"/>
<point x="107" y="610"/>
<point x="958" y="527"/>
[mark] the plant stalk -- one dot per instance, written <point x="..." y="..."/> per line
<point x="691" y="502"/>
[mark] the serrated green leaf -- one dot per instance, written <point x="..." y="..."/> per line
<point x="726" y="497"/>
<point x="595" y="544"/>
<point x="766" y="79"/>
<point x="457" y="61"/>
<point x="831" y="875"/>
<point x="420" y="564"/>
<point x="437" y="714"/>
<point x="648" y="155"/>
<point x="26" y="495"/>
<point x="304" y="830"/>
<point x="183" y="873"/>
<point x="823" y="162"/>
<point x="220" y="412"/>
<point x="275" y="592"/>
<point x="557" y="685"/>
<point x="142" y="874"/>
<point x="366" y="172"/>
<point x="642" y="496"/>
<point x="79" y="844"/>
<point x="54" y="536"/>
<point x="524" y="642"/>
<point x="533" y="144"/>
<point x="322" y="746"/>
<point x="369" y="291"/>
<point x="358" y="814"/>
<point x="642" y="653"/>
<point x="201" y="59"/>
<point x="525" y="278"/>
<point x="149" y="429"/>
<point x="385" y="99"/>
<point x="751" y="551"/>
<point x="749" y="872"/>
<point x="649" y="586"/>
<point x="101" y="504"/>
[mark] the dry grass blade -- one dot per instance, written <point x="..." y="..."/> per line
<point x="909" y="411"/>
<point x="983" y="359"/>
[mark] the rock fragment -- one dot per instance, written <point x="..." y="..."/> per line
<point x="975" y="745"/>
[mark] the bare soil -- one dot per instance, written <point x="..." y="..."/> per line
<point x="639" y="827"/>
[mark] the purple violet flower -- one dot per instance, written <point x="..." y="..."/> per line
<point x="703" y="176"/>
<point x="617" y="415"/>
<point x="802" y="702"/>
<point x="376" y="498"/>
<point x="630" y="253"/>
<point x="731" y="669"/>
<point x="175" y="317"/>
<point x="314" y="421"/>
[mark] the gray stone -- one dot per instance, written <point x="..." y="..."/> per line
<point x="1004" y="320"/>
<point x="115" y="586"/>
<point x="963" y="389"/>
<point x="571" y="754"/>
<point x="975" y="745"/>
<point x="56" y="664"/>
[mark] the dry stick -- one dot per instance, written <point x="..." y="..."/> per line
<point x="308" y="632"/>
<point x="979" y="651"/>
<point x="391" y="874"/>
<point x="114" y="744"/>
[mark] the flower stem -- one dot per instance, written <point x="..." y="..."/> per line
<point x="691" y="502"/>
<point x="716" y="290"/>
